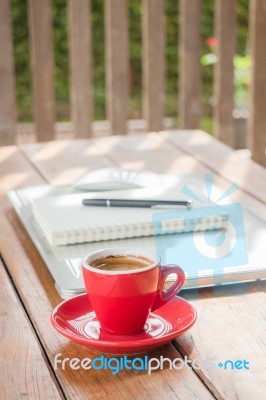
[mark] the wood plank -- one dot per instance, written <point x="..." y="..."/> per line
<point x="221" y="159"/>
<point x="153" y="66"/>
<point x="135" y="152"/>
<point x="20" y="347"/>
<point x="189" y="56"/>
<point x="117" y="64"/>
<point x="79" y="15"/>
<point x="42" y="68"/>
<point x="37" y="292"/>
<point x="51" y="159"/>
<point x="223" y="332"/>
<point x="7" y="78"/>
<point x="147" y="152"/>
<point x="225" y="32"/>
<point x="257" y="120"/>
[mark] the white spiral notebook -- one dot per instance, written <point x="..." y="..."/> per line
<point x="64" y="220"/>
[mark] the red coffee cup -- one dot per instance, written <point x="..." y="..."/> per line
<point x="123" y="299"/>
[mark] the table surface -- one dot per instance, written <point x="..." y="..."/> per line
<point x="231" y="319"/>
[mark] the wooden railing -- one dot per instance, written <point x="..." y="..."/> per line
<point x="117" y="69"/>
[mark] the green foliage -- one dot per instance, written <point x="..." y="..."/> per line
<point x="60" y="37"/>
<point x="60" y="41"/>
<point x="242" y="77"/>
<point x="135" y="50"/>
<point x="242" y="26"/>
<point x="22" y="59"/>
<point x="171" y="30"/>
<point x="98" y="53"/>
<point x="207" y="31"/>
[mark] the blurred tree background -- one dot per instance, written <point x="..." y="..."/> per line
<point x="59" y="14"/>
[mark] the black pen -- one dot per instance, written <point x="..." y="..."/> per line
<point x="136" y="203"/>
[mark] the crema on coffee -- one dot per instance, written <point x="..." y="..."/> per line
<point x="121" y="263"/>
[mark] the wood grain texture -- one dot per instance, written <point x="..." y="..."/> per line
<point x="79" y="16"/>
<point x="39" y="296"/>
<point x="225" y="33"/>
<point x="148" y="152"/>
<point x="189" y="56"/>
<point x="257" y="120"/>
<point x="188" y="152"/>
<point x="231" y="326"/>
<point x="7" y="78"/>
<point x="24" y="372"/>
<point x="51" y="159"/>
<point x="117" y="64"/>
<point x="221" y="159"/>
<point x="153" y="66"/>
<point x="142" y="151"/>
<point x="42" y="68"/>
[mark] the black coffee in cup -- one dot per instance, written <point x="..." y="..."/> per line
<point x="121" y="263"/>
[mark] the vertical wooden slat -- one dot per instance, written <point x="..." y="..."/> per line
<point x="153" y="63"/>
<point x="117" y="64"/>
<point x="225" y="32"/>
<point x="7" y="77"/>
<point x="42" y="67"/>
<point x="80" y="66"/>
<point x="189" y="60"/>
<point x="257" y="120"/>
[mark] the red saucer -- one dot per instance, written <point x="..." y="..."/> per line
<point x="75" y="319"/>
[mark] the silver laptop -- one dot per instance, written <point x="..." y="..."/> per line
<point x="64" y="262"/>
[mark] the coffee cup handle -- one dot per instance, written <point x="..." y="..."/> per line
<point x="164" y="295"/>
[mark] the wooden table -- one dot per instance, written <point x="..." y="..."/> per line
<point x="231" y="323"/>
